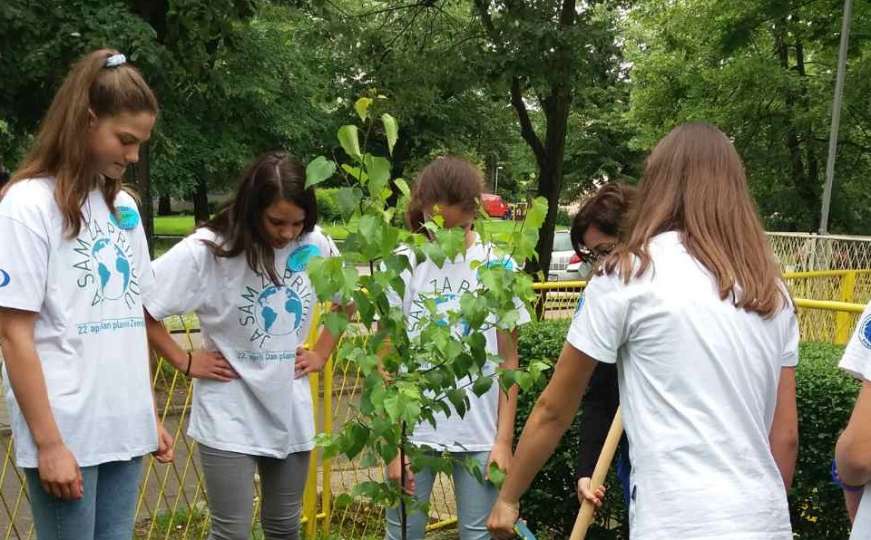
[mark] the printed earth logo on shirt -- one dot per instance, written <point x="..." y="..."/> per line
<point x="447" y="298"/>
<point x="865" y="332"/>
<point x="104" y="264"/>
<point x="272" y="310"/>
<point x="4" y="278"/>
<point x="580" y="305"/>
<point x="504" y="262"/>
<point x="279" y="310"/>
<point x="125" y="217"/>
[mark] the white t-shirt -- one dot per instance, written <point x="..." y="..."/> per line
<point x="90" y="332"/>
<point x="698" y="388"/>
<point x="257" y="326"/>
<point x="476" y="430"/>
<point x="857" y="361"/>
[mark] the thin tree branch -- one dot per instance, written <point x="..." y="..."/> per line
<point x="527" y="131"/>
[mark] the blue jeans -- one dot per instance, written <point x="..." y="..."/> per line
<point x="624" y="472"/>
<point x="105" y="512"/>
<point x="474" y="502"/>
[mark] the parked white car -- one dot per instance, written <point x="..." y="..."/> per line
<point x="565" y="265"/>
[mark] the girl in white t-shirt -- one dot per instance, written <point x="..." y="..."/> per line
<point x="692" y="309"/>
<point x="244" y="275"/>
<point x="452" y="187"/>
<point x="853" y="470"/>
<point x="74" y="268"/>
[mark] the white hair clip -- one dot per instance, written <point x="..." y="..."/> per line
<point x="115" y="60"/>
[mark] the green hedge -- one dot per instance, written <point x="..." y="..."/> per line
<point x="328" y="208"/>
<point x="825" y="398"/>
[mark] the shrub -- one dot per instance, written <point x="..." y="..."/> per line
<point x="328" y="208"/>
<point x="825" y="397"/>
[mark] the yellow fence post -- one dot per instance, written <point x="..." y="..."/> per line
<point x="842" y="319"/>
<point x="326" y="464"/>
<point x="310" y="495"/>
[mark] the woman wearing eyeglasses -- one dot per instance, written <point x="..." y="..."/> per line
<point x="595" y="231"/>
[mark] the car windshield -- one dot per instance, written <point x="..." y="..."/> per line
<point x="562" y="241"/>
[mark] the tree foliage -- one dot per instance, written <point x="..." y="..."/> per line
<point x="410" y="377"/>
<point x="762" y="70"/>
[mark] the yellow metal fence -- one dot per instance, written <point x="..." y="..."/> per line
<point x="172" y="502"/>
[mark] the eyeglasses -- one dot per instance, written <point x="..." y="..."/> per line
<point x="598" y="252"/>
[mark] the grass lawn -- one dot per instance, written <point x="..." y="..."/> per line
<point x="173" y="225"/>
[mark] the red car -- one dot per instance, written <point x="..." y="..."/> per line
<point x="494" y="205"/>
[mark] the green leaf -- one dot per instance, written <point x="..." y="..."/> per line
<point x="458" y="399"/>
<point x="369" y="227"/>
<point x="482" y="384"/>
<point x="350" y="141"/>
<point x="435" y="253"/>
<point x="348" y="199"/>
<point x="463" y="364"/>
<point x="496" y="475"/>
<point x="536" y="214"/>
<point x="357" y="436"/>
<point x="336" y="323"/>
<point x="362" y="107"/>
<point x="355" y="172"/>
<point x="403" y="186"/>
<point x="378" y="169"/>
<point x="348" y="281"/>
<point x="345" y="500"/>
<point x="365" y="308"/>
<point x="318" y="170"/>
<point x="391" y="129"/>
<point x="452" y="242"/>
<point x="328" y="442"/>
<point x="507" y="379"/>
<point x="393" y="406"/>
<point x="471" y="464"/>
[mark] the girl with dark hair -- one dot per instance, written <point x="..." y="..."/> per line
<point x="595" y="231"/>
<point x="693" y="310"/>
<point x="74" y="269"/>
<point x="244" y="275"/>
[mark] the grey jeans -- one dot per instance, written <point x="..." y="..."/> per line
<point x="230" y="491"/>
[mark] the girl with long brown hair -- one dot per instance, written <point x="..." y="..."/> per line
<point x="692" y="309"/>
<point x="244" y="274"/>
<point x="74" y="268"/>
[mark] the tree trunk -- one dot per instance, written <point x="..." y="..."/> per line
<point x="810" y="189"/>
<point x="164" y="205"/>
<point x="201" y="202"/>
<point x="550" y="172"/>
<point x="549" y="153"/>
<point x="791" y="141"/>
<point x="138" y="174"/>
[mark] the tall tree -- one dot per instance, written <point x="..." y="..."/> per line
<point x="532" y="58"/>
<point x="763" y="70"/>
<point x="544" y="53"/>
